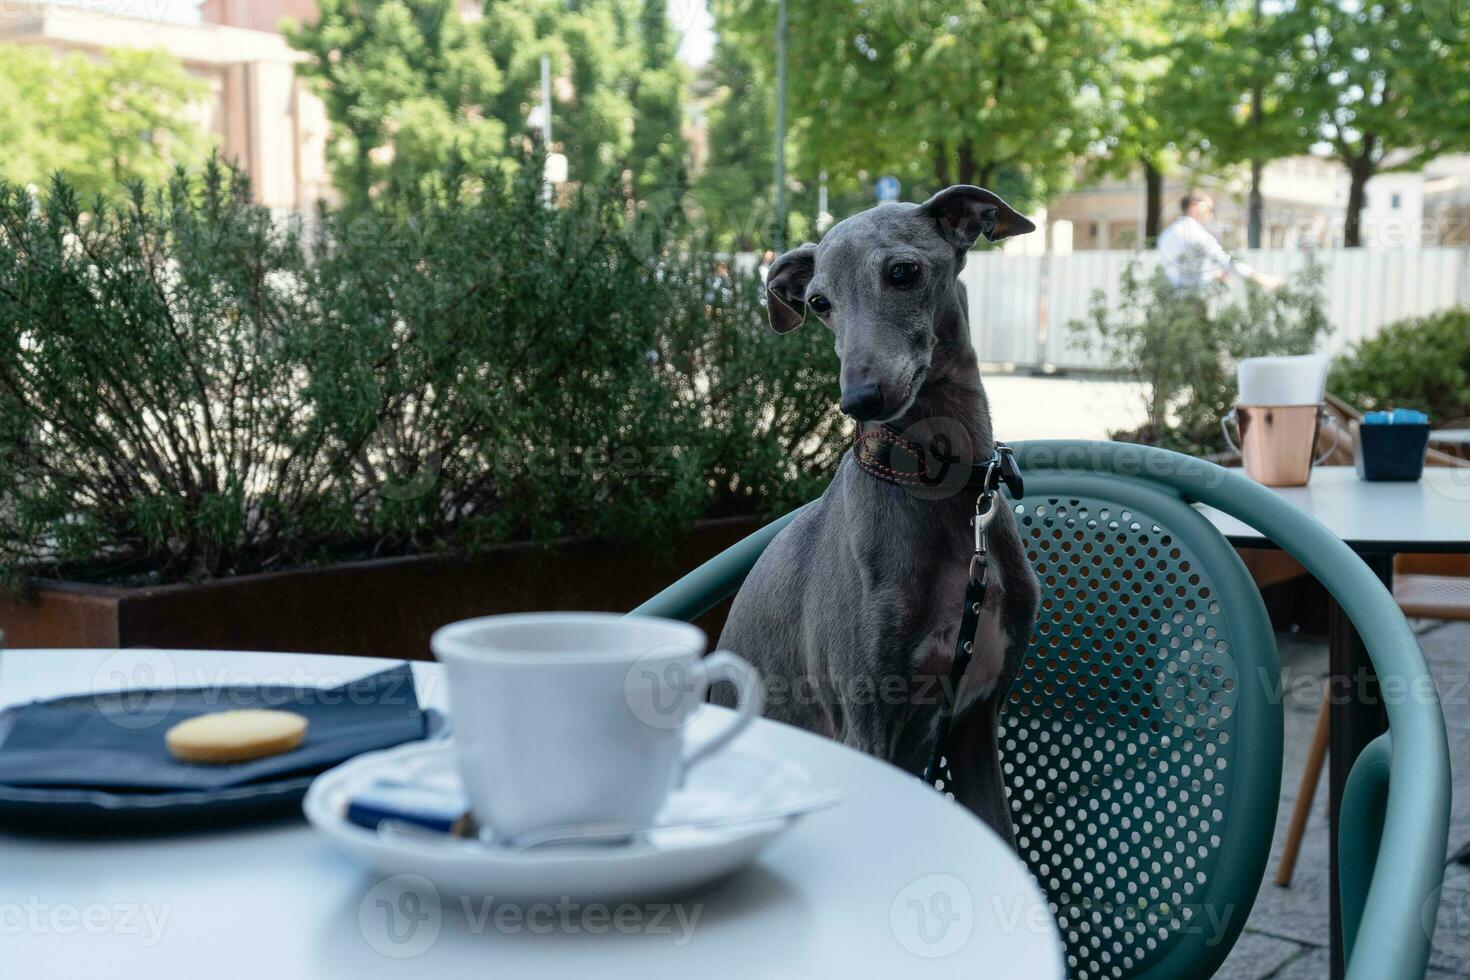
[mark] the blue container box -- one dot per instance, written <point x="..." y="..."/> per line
<point x="1390" y="452"/>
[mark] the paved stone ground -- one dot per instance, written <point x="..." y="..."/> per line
<point x="1286" y="935"/>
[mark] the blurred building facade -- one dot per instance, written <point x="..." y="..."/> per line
<point x="263" y="117"/>
<point x="266" y="15"/>
<point x="1305" y="203"/>
<point x="256" y="15"/>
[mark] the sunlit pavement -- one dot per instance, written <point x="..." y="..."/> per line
<point x="1028" y="407"/>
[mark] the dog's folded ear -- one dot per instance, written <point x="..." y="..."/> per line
<point x="964" y="213"/>
<point x="786" y="283"/>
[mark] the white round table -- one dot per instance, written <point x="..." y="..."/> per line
<point x="896" y="881"/>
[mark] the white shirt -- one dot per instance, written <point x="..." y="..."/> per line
<point x="1191" y="256"/>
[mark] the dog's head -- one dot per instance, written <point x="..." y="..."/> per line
<point x="878" y="280"/>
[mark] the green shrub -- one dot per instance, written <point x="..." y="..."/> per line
<point x="1421" y="363"/>
<point x="1184" y="347"/>
<point x="189" y="388"/>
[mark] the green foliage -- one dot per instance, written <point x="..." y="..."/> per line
<point x="1217" y="63"/>
<point x="618" y="92"/>
<point x="1184" y="345"/>
<point x="1421" y="363"/>
<point x="1386" y="84"/>
<point x="188" y="389"/>
<point x="1181" y="85"/>
<point x="411" y="87"/>
<point x="660" y="157"/>
<point x="734" y="191"/>
<point x="936" y="91"/>
<point x="404" y="83"/>
<point x="125" y="116"/>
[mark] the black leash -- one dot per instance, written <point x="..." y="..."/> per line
<point x="1000" y="467"/>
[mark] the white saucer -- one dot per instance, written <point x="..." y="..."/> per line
<point x="665" y="862"/>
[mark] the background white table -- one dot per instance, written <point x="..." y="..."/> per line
<point x="1378" y="520"/>
<point x="876" y="886"/>
<point x="1432" y="514"/>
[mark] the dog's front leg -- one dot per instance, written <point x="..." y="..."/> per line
<point x="974" y="759"/>
<point x="865" y="723"/>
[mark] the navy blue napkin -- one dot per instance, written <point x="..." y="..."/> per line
<point x="116" y="741"/>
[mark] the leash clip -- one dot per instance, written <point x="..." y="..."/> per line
<point x="985" y="511"/>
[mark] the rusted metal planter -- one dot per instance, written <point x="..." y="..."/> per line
<point x="384" y="608"/>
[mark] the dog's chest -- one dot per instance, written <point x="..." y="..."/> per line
<point x="934" y="653"/>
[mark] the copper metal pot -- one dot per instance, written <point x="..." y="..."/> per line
<point x="1278" y="443"/>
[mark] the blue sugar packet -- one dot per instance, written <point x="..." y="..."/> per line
<point x="1377" y="418"/>
<point x="1408" y="416"/>
<point x="429" y="807"/>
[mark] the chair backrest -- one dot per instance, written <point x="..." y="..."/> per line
<point x="1141" y="741"/>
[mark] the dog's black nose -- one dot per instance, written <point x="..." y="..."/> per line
<point x="862" y="402"/>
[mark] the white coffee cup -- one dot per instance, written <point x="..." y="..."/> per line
<point x="563" y="718"/>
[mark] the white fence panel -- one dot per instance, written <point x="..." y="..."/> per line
<point x="1021" y="307"/>
<point x="1075" y="278"/>
<point x="1005" y="293"/>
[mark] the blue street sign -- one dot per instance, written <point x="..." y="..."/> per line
<point x="887" y="188"/>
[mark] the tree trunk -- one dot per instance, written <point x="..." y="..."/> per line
<point x="1352" y="226"/>
<point x="1256" y="220"/>
<point x="969" y="170"/>
<point x="941" y="168"/>
<point x="1153" y="209"/>
<point x="364" y="167"/>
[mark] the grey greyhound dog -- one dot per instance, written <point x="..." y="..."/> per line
<point x="852" y="612"/>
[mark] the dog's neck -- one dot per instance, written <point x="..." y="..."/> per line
<point x="952" y="388"/>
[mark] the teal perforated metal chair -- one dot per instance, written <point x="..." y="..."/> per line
<point x="1142" y="739"/>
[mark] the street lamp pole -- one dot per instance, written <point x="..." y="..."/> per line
<point x="780" y="190"/>
<point x="546" y="123"/>
<point x="1257" y="204"/>
<point x="546" y="101"/>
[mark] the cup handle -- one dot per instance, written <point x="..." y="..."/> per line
<point x="1336" y="425"/>
<point x="1225" y="421"/>
<point x="725" y="666"/>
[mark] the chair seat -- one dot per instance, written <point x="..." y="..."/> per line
<point x="1433" y="596"/>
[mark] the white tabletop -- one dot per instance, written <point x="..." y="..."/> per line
<point x="1432" y="514"/>
<point x="1450" y="437"/>
<point x="896" y="881"/>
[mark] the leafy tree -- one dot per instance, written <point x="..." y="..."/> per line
<point x="1001" y="93"/>
<point x="1230" y="80"/>
<point x="31" y="97"/>
<point x="1142" y="133"/>
<point x="735" y="188"/>
<point x="617" y="102"/>
<point x="660" y="155"/>
<point x="1183" y="84"/>
<point x="127" y="116"/>
<point x="1383" y="83"/>
<point x="406" y="85"/>
<point x="411" y="86"/>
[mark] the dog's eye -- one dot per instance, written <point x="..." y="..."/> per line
<point x="819" y="304"/>
<point x="903" y="273"/>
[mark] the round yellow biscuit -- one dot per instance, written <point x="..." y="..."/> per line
<point x="235" y="736"/>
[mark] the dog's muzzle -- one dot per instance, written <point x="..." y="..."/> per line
<point x="863" y="402"/>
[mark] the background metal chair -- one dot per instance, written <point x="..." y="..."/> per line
<point x="1142" y="740"/>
